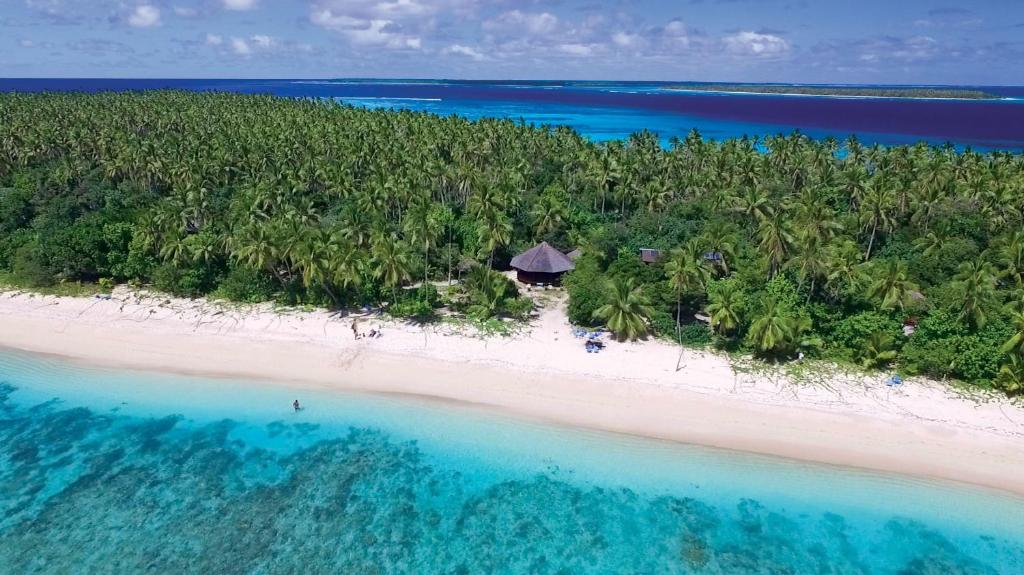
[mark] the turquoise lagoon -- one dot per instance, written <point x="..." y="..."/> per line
<point x="105" y="471"/>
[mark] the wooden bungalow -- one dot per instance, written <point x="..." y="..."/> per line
<point x="541" y="264"/>
<point x="650" y="255"/>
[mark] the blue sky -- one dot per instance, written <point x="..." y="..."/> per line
<point x="854" y="41"/>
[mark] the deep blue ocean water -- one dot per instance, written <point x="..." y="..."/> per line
<point x="613" y="110"/>
<point x="106" y="471"/>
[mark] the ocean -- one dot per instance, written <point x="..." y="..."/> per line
<point x="105" y="471"/>
<point x="613" y="110"/>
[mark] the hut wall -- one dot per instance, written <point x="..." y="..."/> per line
<point x="538" y="278"/>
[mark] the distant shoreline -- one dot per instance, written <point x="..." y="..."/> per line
<point x="921" y="429"/>
<point x="839" y="92"/>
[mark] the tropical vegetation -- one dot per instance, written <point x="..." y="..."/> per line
<point x="910" y="257"/>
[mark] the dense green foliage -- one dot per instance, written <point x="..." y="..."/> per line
<point x="786" y="245"/>
<point x="894" y="92"/>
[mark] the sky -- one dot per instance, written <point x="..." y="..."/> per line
<point x="852" y="41"/>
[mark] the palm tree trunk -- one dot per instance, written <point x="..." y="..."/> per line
<point x="449" y="255"/>
<point x="426" y="265"/>
<point x="333" y="296"/>
<point x="679" y="332"/>
<point x="871" y="242"/>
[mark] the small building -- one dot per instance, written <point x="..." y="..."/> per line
<point x="650" y="255"/>
<point x="541" y="264"/>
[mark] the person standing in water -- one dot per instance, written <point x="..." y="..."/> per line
<point x="296" y="405"/>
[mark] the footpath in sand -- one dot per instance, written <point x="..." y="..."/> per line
<point x="920" y="428"/>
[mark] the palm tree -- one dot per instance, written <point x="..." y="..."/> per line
<point x="776" y="241"/>
<point x="253" y="247"/>
<point x="1011" y="375"/>
<point x="686" y="272"/>
<point x="1011" y="258"/>
<point x="548" y="215"/>
<point x="423" y="225"/>
<point x="494" y="231"/>
<point x="1015" y="345"/>
<point x="488" y="291"/>
<point x="390" y="262"/>
<point x="725" y="307"/>
<point x="626" y="309"/>
<point x="721" y="238"/>
<point x="893" y="288"/>
<point x="811" y="261"/>
<point x="845" y="271"/>
<point x="976" y="282"/>
<point x="878" y="350"/>
<point x="876" y="213"/>
<point x="607" y="172"/>
<point x="931" y="243"/>
<point x="776" y="330"/>
<point x="752" y="203"/>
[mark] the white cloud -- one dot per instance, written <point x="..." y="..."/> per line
<point x="624" y="40"/>
<point x="465" y="51"/>
<point x="185" y="11"/>
<point x="575" y="49"/>
<point x="239" y="5"/>
<point x="755" y="44"/>
<point x="366" y="32"/>
<point x="263" y="41"/>
<point x="913" y="49"/>
<point x="515" y="22"/>
<point x="240" y="47"/>
<point x="26" y="43"/>
<point x="144" y="16"/>
<point x="401" y="9"/>
<point x="51" y="7"/>
<point x="256" y="44"/>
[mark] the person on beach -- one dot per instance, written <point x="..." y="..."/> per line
<point x="296" y="405"/>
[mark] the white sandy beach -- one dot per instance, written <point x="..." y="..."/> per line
<point x="920" y="428"/>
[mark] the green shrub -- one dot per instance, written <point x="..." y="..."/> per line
<point x="188" y="282"/>
<point x="76" y="251"/>
<point x="30" y="267"/>
<point x="945" y="350"/>
<point x="696" y="334"/>
<point x="15" y="209"/>
<point x="9" y="244"/>
<point x="244" y="284"/>
<point x="846" y="337"/>
<point x="585" y="287"/>
<point x="663" y="324"/>
<point x="937" y="325"/>
<point x="412" y="308"/>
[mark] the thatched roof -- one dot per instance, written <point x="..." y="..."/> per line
<point x="543" y="259"/>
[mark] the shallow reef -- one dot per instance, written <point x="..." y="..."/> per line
<point x="84" y="492"/>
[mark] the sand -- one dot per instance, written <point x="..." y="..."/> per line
<point x="920" y="428"/>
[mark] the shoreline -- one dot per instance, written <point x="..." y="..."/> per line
<point x="839" y="96"/>
<point x="921" y="429"/>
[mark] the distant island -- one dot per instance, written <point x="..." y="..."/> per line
<point x="948" y="93"/>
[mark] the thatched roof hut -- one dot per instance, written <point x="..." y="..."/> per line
<point x="541" y="264"/>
